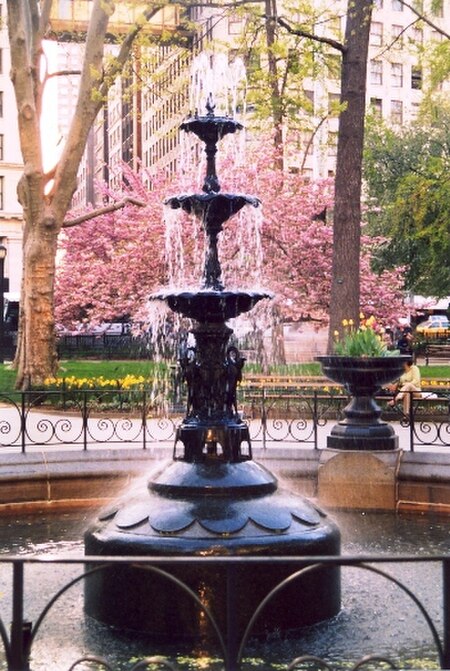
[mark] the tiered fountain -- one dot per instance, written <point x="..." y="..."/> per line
<point x="211" y="499"/>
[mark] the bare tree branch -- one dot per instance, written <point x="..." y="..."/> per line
<point x="304" y="33"/>
<point x="397" y="38"/>
<point x="119" y="61"/>
<point x="276" y="242"/>
<point x="87" y="216"/>
<point x="311" y="139"/>
<point x="62" y="73"/>
<point x="426" y="20"/>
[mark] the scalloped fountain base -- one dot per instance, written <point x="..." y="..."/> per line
<point x="214" y="508"/>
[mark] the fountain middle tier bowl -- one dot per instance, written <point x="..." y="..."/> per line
<point x="212" y="208"/>
<point x="209" y="305"/>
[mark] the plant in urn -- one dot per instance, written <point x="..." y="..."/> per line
<point x="363" y="364"/>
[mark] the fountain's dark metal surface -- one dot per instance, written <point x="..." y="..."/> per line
<point x="212" y="499"/>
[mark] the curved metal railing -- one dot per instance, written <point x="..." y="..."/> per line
<point x="18" y="645"/>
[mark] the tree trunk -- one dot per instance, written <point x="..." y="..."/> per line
<point x="36" y="350"/>
<point x="46" y="198"/>
<point x="344" y="300"/>
<point x="274" y="85"/>
<point x="278" y="348"/>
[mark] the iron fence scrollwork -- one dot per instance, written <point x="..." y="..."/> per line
<point x="141" y="418"/>
<point x="18" y="645"/>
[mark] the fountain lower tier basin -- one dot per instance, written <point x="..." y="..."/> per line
<point x="211" y="306"/>
<point x="233" y="521"/>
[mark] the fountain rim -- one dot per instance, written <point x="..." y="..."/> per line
<point x="212" y="196"/>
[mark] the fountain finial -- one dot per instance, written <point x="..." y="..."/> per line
<point x="210" y="105"/>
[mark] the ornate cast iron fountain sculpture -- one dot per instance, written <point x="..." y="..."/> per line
<point x="212" y="369"/>
<point x="211" y="498"/>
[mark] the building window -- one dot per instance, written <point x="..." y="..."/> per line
<point x="253" y="62"/>
<point x="376" y="72"/>
<point x="293" y="59"/>
<point x="376" y="105"/>
<point x="2" y="139"/>
<point x="397" y="75"/>
<point x="65" y="9"/>
<point x="376" y="33"/>
<point x="397" y="112"/>
<point x="335" y="26"/>
<point x="333" y="65"/>
<point x="416" y="77"/>
<point x="437" y="36"/>
<point x="2" y="184"/>
<point x="332" y="144"/>
<point x="306" y="143"/>
<point x="397" y="35"/>
<point x="438" y="8"/>
<point x="309" y="104"/>
<point x="414" y="110"/>
<point x="418" y="36"/>
<point x="334" y="100"/>
<point x="234" y="25"/>
<point x="397" y="5"/>
<point x="1" y="104"/>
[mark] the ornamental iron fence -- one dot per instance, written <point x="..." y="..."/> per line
<point x="21" y="651"/>
<point x="290" y="417"/>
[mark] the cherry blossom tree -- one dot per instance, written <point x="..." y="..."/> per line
<point x="122" y="254"/>
<point x="109" y="263"/>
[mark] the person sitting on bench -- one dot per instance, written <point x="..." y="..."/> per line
<point x="409" y="385"/>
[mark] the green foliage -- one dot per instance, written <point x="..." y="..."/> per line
<point x="7" y="378"/>
<point x="365" y="341"/>
<point x="409" y="194"/>
<point x="282" y="95"/>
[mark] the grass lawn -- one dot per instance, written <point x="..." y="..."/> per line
<point x="86" y="368"/>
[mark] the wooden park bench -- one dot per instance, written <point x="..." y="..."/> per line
<point x="437" y="351"/>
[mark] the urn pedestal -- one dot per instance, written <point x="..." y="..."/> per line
<point x="362" y="377"/>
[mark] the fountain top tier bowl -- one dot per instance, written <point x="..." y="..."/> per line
<point x="210" y="128"/>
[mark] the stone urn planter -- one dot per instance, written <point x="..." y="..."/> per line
<point x="362" y="378"/>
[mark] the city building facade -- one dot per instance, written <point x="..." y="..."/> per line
<point x="11" y="168"/>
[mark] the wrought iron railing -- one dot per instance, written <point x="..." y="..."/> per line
<point x="296" y="417"/>
<point x="19" y="640"/>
